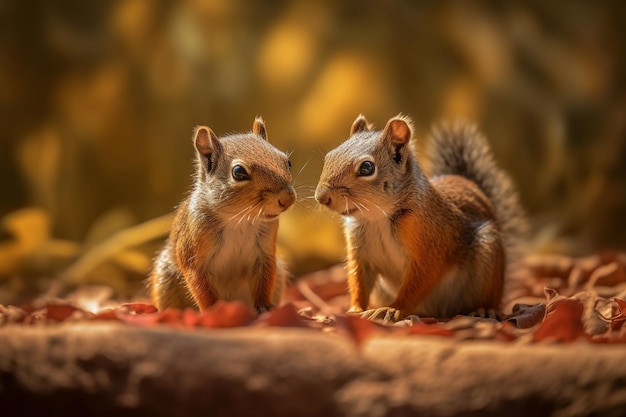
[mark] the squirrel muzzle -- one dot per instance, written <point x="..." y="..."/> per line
<point x="286" y="197"/>
<point x="322" y="195"/>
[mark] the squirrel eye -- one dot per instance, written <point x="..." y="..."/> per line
<point x="289" y="163"/>
<point x="366" y="169"/>
<point x="240" y="173"/>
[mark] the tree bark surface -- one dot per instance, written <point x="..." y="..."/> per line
<point x="105" y="369"/>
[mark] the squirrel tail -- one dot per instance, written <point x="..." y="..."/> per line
<point x="460" y="149"/>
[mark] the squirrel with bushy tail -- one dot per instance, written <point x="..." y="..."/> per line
<point x="437" y="245"/>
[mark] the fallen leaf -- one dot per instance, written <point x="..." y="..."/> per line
<point x="526" y="316"/>
<point x="607" y="275"/>
<point x="594" y="322"/>
<point x="60" y="312"/>
<point x="108" y="314"/>
<point x="563" y="323"/>
<point x="226" y="314"/>
<point x="286" y="316"/>
<point x="430" y="329"/>
<point x="11" y="314"/>
<point x="618" y="321"/>
<point x="357" y="328"/>
<point x="139" y="308"/>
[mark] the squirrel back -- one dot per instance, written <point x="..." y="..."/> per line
<point x="459" y="148"/>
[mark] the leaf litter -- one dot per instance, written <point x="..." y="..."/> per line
<point x="572" y="309"/>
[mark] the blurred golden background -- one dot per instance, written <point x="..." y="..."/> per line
<point x="99" y="100"/>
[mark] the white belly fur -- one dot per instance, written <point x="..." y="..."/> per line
<point x="384" y="252"/>
<point x="232" y="266"/>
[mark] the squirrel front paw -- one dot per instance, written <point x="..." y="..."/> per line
<point x="264" y="308"/>
<point x="387" y="314"/>
<point x="355" y="310"/>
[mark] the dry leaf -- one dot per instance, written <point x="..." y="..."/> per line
<point x="563" y="323"/>
<point x="526" y="316"/>
<point x="286" y="316"/>
<point x="357" y="328"/>
<point x="226" y="314"/>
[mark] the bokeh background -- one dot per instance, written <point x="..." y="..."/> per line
<point x="98" y="101"/>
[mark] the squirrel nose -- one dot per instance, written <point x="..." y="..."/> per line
<point x="286" y="197"/>
<point x="324" y="199"/>
<point x="322" y="196"/>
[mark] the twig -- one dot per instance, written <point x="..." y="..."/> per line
<point x="127" y="238"/>
<point x="313" y="298"/>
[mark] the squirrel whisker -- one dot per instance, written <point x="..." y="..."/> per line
<point x="258" y="214"/>
<point x="247" y="213"/>
<point x="302" y="169"/>
<point x="362" y="205"/>
<point x="240" y="212"/>
<point x="357" y="206"/>
<point x="384" y="213"/>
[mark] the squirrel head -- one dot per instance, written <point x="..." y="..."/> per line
<point x="242" y="177"/>
<point x="364" y="176"/>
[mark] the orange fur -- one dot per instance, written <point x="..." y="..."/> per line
<point x="429" y="246"/>
<point x="222" y="244"/>
<point x="267" y="278"/>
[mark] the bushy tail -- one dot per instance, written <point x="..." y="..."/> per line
<point x="460" y="149"/>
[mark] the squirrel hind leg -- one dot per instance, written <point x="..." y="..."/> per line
<point x="489" y="265"/>
<point x="167" y="287"/>
<point x="283" y="279"/>
<point x="170" y="293"/>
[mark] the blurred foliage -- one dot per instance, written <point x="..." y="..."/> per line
<point x="98" y="101"/>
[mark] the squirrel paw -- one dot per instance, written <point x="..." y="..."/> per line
<point x="264" y="308"/>
<point x="355" y="310"/>
<point x="387" y="314"/>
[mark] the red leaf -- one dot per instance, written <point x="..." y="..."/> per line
<point x="124" y="312"/>
<point x="504" y="333"/>
<point x="171" y="316"/>
<point x="430" y="329"/>
<point x="563" y="323"/>
<point x="190" y="317"/>
<point x="60" y="312"/>
<point x="226" y="314"/>
<point x="168" y="316"/>
<point x="139" y="308"/>
<point x="110" y="314"/>
<point x="359" y="329"/>
<point x="286" y="316"/>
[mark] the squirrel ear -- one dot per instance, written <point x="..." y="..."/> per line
<point x="206" y="143"/>
<point x="258" y="127"/>
<point x="360" y="125"/>
<point x="398" y="133"/>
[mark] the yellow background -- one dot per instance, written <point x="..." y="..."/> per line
<point x="98" y="102"/>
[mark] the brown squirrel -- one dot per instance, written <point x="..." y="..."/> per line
<point x="222" y="244"/>
<point x="435" y="246"/>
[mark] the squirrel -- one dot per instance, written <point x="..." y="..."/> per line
<point x="222" y="243"/>
<point x="434" y="246"/>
